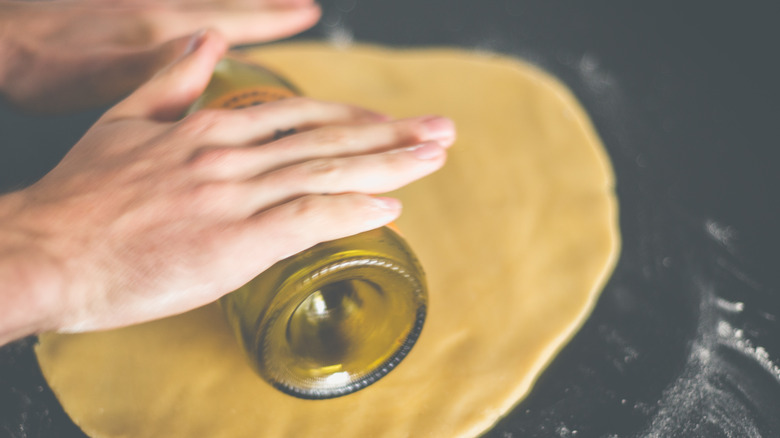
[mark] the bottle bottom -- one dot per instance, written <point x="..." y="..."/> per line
<point x="343" y="327"/>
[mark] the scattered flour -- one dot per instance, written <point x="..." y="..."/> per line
<point x="705" y="400"/>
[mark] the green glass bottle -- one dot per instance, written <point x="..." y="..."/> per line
<point x="335" y="318"/>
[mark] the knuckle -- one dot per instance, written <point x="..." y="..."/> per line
<point x="149" y="29"/>
<point x="209" y="197"/>
<point x="143" y="27"/>
<point x="270" y="113"/>
<point x="309" y="206"/>
<point x="409" y="130"/>
<point x="150" y="23"/>
<point x="332" y="135"/>
<point x="210" y="159"/>
<point x="322" y="170"/>
<point x="355" y="112"/>
<point x="200" y="122"/>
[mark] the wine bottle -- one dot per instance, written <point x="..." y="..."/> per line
<point x="335" y="318"/>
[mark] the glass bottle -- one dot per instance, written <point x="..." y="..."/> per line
<point x="335" y="318"/>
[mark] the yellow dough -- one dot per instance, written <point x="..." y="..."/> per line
<point x="518" y="234"/>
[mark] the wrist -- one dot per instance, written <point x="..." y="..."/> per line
<point x="30" y="281"/>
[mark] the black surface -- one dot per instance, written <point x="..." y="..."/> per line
<point x="685" y="340"/>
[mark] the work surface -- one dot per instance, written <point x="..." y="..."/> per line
<point x="685" y="340"/>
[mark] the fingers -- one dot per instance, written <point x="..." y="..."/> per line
<point x="369" y="174"/>
<point x="166" y="96"/>
<point x="366" y="174"/>
<point x="242" y="25"/>
<point x="339" y="141"/>
<point x="271" y="24"/>
<point x="300" y="224"/>
<point x="263" y="122"/>
<point x="328" y="141"/>
<point x="127" y="69"/>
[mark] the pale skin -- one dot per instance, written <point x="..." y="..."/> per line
<point x="150" y="215"/>
<point x="62" y="55"/>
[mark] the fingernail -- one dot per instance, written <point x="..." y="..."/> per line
<point x="195" y="41"/>
<point x="389" y="204"/>
<point x="446" y="142"/>
<point x="439" y="128"/>
<point x="426" y="151"/>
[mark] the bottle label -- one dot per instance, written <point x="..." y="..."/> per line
<point x="250" y="97"/>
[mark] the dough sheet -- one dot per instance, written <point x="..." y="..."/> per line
<point x="517" y="234"/>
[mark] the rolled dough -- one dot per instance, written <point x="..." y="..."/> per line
<point x="518" y="234"/>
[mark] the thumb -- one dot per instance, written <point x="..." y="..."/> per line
<point x="168" y="93"/>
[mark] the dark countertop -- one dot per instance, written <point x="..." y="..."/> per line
<point x="685" y="340"/>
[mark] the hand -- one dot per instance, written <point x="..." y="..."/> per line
<point x="65" y="55"/>
<point x="149" y="216"/>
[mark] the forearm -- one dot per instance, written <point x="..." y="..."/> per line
<point x="29" y="292"/>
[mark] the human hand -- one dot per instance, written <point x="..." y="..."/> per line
<point x="149" y="216"/>
<point x="66" y="55"/>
